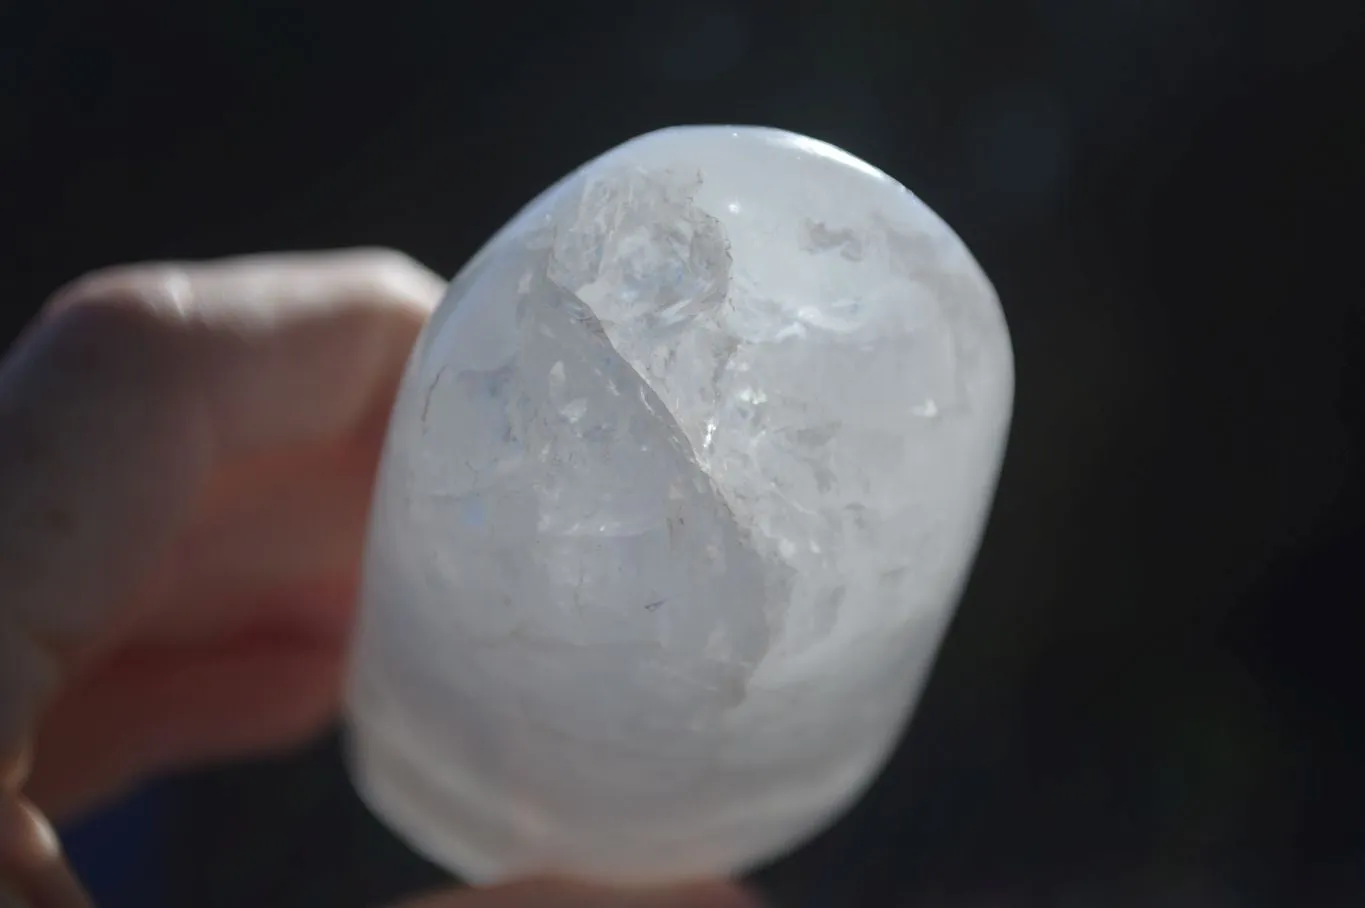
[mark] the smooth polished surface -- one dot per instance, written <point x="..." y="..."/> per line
<point x="680" y="490"/>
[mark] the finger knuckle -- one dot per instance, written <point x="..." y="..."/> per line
<point x="395" y="275"/>
<point x="120" y="321"/>
<point x="154" y="290"/>
<point x="124" y="326"/>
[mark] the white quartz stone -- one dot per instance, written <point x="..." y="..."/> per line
<point x="682" y="484"/>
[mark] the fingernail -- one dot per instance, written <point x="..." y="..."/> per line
<point x="25" y="834"/>
<point x="31" y="859"/>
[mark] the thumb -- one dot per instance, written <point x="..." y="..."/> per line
<point x="549" y="893"/>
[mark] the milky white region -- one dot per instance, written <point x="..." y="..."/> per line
<point x="681" y="487"/>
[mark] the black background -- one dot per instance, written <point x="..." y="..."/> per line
<point x="1152" y="695"/>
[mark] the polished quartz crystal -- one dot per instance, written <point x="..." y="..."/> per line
<point x="682" y="484"/>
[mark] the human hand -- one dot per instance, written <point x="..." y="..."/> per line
<point x="186" y="460"/>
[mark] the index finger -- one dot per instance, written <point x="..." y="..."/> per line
<point x="139" y="382"/>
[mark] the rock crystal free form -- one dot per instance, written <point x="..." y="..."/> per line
<point x="679" y="493"/>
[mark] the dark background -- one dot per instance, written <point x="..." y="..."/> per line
<point x="1152" y="695"/>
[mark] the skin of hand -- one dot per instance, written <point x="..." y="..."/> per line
<point x="187" y="453"/>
